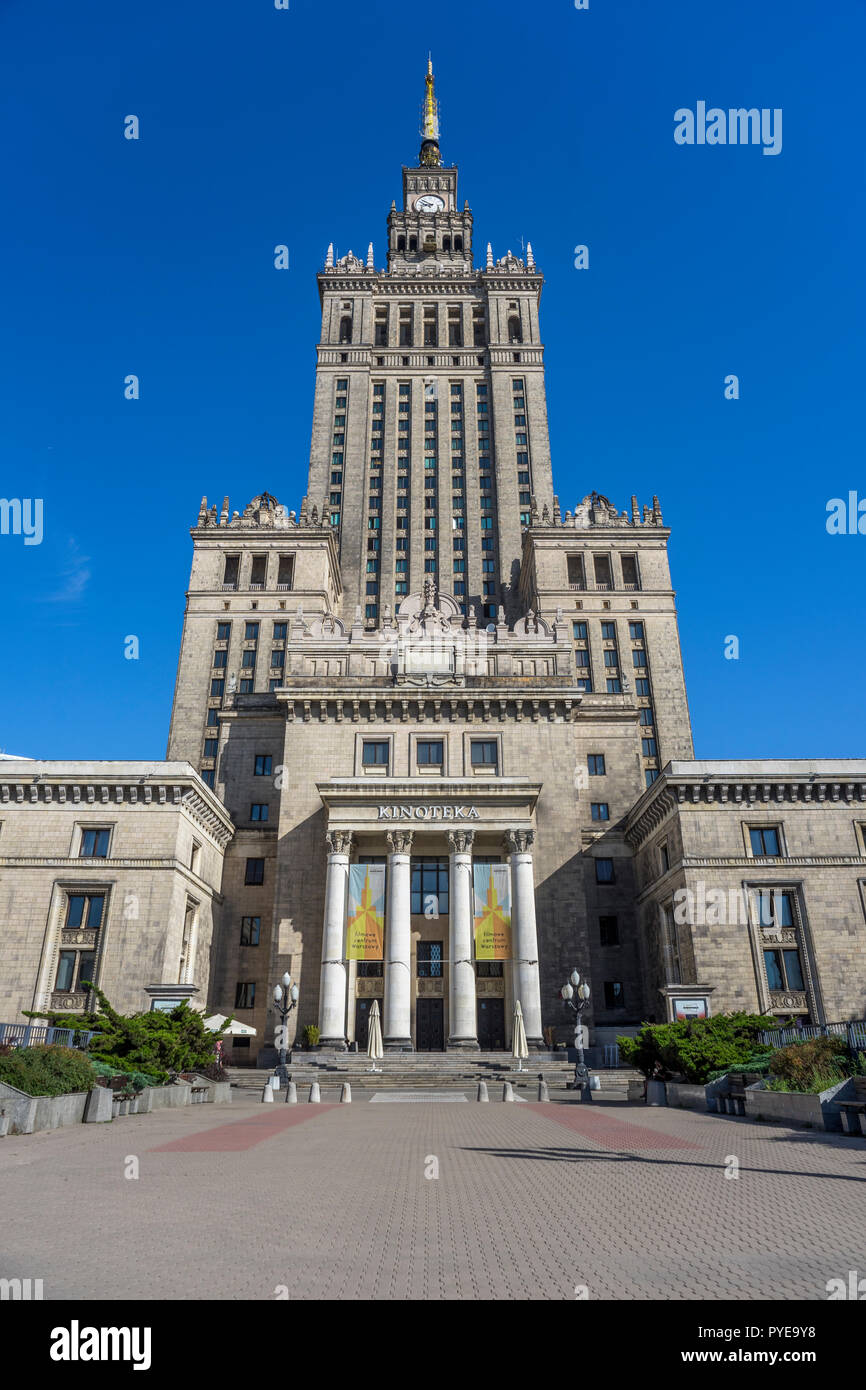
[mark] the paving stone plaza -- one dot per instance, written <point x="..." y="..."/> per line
<point x="369" y="1217"/>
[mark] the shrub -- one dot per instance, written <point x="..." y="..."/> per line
<point x="155" y="1043"/>
<point x="810" y="1066"/>
<point x="695" y="1048"/>
<point x="311" y="1035"/>
<point x="47" y="1070"/>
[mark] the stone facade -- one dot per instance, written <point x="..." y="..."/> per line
<point x="752" y="876"/>
<point x="109" y="871"/>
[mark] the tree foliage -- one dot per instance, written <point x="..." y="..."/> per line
<point x="46" y="1070"/>
<point x="695" y="1047"/>
<point x="157" y="1042"/>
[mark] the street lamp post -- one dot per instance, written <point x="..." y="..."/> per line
<point x="285" y="999"/>
<point x="581" y="1074"/>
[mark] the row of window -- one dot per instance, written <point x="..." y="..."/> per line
<point x="258" y="572"/>
<point x="602" y="571"/>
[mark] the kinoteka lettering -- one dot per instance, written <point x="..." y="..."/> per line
<point x="428" y="813"/>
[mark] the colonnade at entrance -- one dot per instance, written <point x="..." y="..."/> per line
<point x="462" y="1002"/>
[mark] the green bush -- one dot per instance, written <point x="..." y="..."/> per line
<point x="695" y="1048"/>
<point x="311" y="1035"/>
<point x="47" y="1070"/>
<point x="156" y="1044"/>
<point x="810" y="1066"/>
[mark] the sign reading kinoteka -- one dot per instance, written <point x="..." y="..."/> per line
<point x="428" y="813"/>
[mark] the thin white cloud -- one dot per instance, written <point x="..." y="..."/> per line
<point x="74" y="576"/>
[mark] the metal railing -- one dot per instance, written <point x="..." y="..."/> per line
<point x="31" y="1034"/>
<point x="853" y="1032"/>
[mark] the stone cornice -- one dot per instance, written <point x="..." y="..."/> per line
<point x="708" y="793"/>
<point x="404" y="705"/>
<point x="50" y="789"/>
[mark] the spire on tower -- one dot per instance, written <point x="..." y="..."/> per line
<point x="430" y="156"/>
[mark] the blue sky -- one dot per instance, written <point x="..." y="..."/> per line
<point x="260" y="127"/>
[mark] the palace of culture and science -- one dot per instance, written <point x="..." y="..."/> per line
<point x="430" y="742"/>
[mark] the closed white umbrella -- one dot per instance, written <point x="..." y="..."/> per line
<point x="375" y="1050"/>
<point x="519" y="1047"/>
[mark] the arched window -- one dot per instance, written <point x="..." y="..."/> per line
<point x="458" y="243"/>
<point x="401" y="243"/>
<point x="446" y="243"/>
<point x="346" y="329"/>
<point x="515" y="332"/>
<point x="413" y="243"/>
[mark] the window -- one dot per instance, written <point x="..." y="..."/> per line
<point x="263" y="765"/>
<point x="638" y="657"/>
<point x="248" y="659"/>
<point x="608" y="632"/>
<point x="765" y="842"/>
<point x="578" y="632"/>
<point x="614" y="997"/>
<point x="94" y="844"/>
<point x="611" y="658"/>
<point x="581" y="658"/>
<point x="635" y="632"/>
<point x="73" y="967"/>
<point x="600" y="810"/>
<point x="646" y="715"/>
<point x="250" y="931"/>
<point x="255" y="873"/>
<point x="629" y="572"/>
<point x="210" y="747"/>
<point x="649" y="747"/>
<point x="429" y="887"/>
<point x="664" y="858"/>
<point x="251" y="632"/>
<point x="84" y="912"/>
<point x="212" y="719"/>
<point x="774" y="908"/>
<point x="430" y="752"/>
<point x="596" y="765"/>
<point x="489" y="969"/>
<point x="216" y="689"/>
<point x="370" y="969"/>
<point x="207" y="776"/>
<point x="220" y="659"/>
<point x="642" y="686"/>
<point x="614" y="686"/>
<point x="604" y="871"/>
<point x="484" y="753"/>
<point x="429" y="960"/>
<point x="375" y="754"/>
<point x="245" y="995"/>
<point x="223" y="632"/>
<point x="651" y="775"/>
<point x="608" y="931"/>
<point x="784" y="970"/>
<point x="259" y="811"/>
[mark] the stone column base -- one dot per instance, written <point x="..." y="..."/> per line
<point x="398" y="1045"/>
<point x="332" y="1045"/>
<point x="463" y="1045"/>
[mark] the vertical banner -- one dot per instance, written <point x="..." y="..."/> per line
<point x="492" y="885"/>
<point x="365" y="920"/>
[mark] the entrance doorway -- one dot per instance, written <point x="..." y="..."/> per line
<point x="430" y="1025"/>
<point x="362" y="1021"/>
<point x="491" y="1025"/>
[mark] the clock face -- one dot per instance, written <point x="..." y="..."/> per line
<point x="430" y="202"/>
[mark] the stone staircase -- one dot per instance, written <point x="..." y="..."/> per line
<point x="433" y="1071"/>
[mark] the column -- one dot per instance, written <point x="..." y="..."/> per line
<point x="332" y="989"/>
<point x="463" y="1018"/>
<point x="525" y="936"/>
<point x="398" y="945"/>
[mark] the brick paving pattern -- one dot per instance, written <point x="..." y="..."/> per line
<point x="345" y="1188"/>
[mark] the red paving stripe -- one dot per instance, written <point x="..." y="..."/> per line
<point x="241" y="1134"/>
<point x="602" y="1128"/>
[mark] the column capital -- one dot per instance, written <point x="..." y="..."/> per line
<point x="400" y="841"/>
<point x="339" y="841"/>
<point x="461" y="841"/>
<point x="519" y="841"/>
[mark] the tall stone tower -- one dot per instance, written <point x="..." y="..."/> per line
<point x="430" y="665"/>
<point x="430" y="410"/>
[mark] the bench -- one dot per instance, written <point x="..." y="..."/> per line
<point x="854" y="1111"/>
<point x="733" y="1101"/>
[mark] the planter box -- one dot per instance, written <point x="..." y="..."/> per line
<point x="686" y="1096"/>
<point x="656" y="1093"/>
<point x="27" y="1114"/>
<point x="636" y="1090"/>
<point x="795" y="1109"/>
